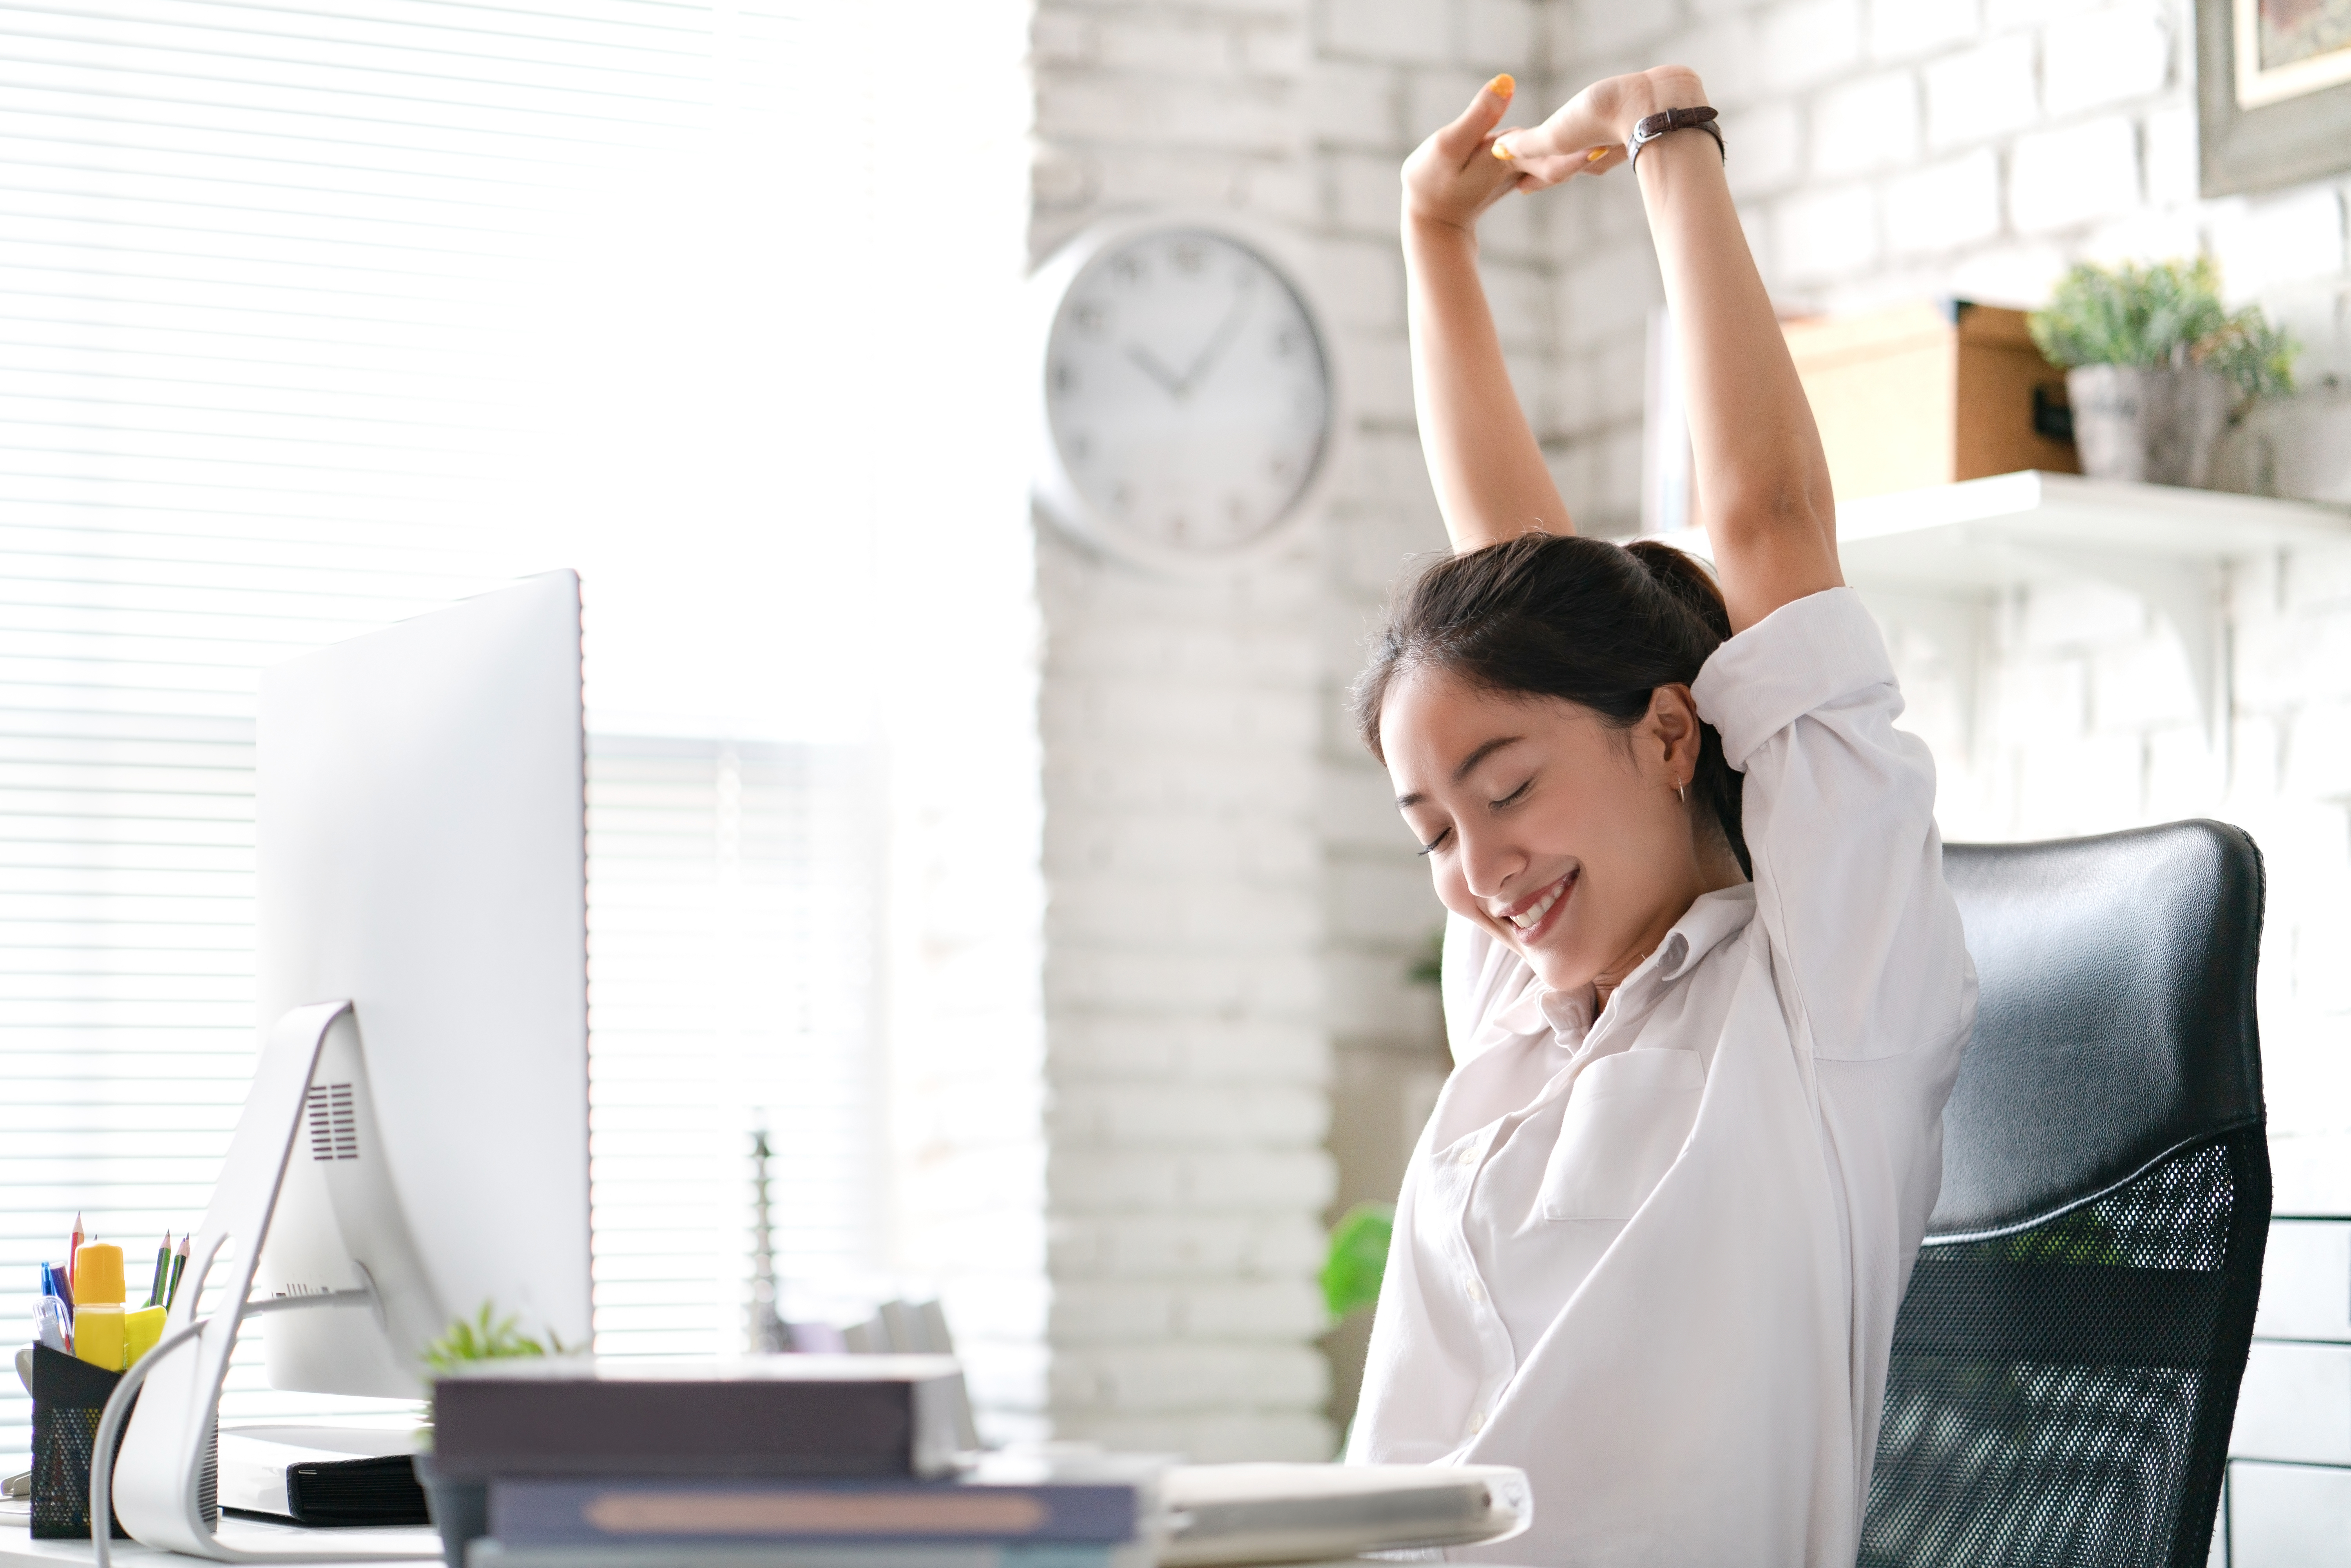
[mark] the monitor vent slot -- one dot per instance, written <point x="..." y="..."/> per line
<point x="334" y="1131"/>
<point x="208" y="1480"/>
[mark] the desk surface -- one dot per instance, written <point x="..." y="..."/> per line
<point x="19" y="1550"/>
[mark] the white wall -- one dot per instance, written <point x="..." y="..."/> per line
<point x="1187" y="1059"/>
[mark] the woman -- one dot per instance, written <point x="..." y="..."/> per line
<point x="1652" y="1243"/>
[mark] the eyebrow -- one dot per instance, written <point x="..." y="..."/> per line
<point x="1467" y="763"/>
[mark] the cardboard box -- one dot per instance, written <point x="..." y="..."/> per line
<point x="1931" y="393"/>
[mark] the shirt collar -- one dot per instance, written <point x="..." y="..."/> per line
<point x="1568" y="1016"/>
<point x="1702" y="929"/>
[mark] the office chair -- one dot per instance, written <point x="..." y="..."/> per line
<point x="2065" y="1363"/>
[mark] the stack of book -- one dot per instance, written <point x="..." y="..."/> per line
<point x="796" y="1461"/>
<point x="860" y="1461"/>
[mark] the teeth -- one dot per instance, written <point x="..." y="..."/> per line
<point x="1534" y="917"/>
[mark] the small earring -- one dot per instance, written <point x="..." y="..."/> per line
<point x="1682" y="791"/>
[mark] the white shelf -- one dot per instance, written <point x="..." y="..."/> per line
<point x="1937" y="557"/>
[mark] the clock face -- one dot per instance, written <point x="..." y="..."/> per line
<point x="1187" y="393"/>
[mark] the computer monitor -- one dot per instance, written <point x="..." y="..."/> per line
<point x="415" y="1141"/>
<point x="423" y="853"/>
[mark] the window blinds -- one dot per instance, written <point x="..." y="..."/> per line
<point x="311" y="320"/>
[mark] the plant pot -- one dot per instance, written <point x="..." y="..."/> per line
<point x="2155" y="423"/>
<point x="460" y="1508"/>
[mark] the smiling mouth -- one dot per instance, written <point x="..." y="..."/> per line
<point x="1533" y="915"/>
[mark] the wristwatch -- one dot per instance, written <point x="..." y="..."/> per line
<point x="1699" y="118"/>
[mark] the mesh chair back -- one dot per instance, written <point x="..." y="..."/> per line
<point x="2065" y="1363"/>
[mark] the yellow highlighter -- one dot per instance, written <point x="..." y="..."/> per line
<point x="140" y="1330"/>
<point x="101" y="1335"/>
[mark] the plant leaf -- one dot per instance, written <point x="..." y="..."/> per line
<point x="1358" y="1257"/>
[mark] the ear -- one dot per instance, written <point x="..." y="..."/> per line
<point x="1673" y="721"/>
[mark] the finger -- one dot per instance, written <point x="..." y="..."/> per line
<point x="1555" y="171"/>
<point x="1547" y="172"/>
<point x="1573" y="129"/>
<point x="1462" y="139"/>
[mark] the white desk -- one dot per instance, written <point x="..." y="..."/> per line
<point x="19" y="1550"/>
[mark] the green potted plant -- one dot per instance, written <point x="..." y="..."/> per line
<point x="460" y="1507"/>
<point x="2157" y="365"/>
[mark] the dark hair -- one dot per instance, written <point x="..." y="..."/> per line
<point x="1599" y="624"/>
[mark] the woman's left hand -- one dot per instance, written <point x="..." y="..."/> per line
<point x="1588" y="133"/>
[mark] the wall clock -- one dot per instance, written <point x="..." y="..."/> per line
<point x="1186" y="398"/>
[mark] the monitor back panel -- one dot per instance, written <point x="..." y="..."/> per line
<point x="423" y="853"/>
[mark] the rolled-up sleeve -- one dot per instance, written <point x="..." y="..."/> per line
<point x="1838" y="811"/>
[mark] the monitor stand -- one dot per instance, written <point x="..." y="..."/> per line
<point x="165" y="1480"/>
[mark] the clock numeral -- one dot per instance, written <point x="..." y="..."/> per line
<point x="1093" y="321"/>
<point x="1129" y="270"/>
<point x="1065" y="380"/>
<point x="1287" y="342"/>
<point x="1190" y="255"/>
<point x="1081" y="449"/>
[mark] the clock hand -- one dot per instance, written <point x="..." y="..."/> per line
<point x="1149" y="362"/>
<point x="1226" y="331"/>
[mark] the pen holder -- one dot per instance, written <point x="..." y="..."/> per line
<point x="68" y="1396"/>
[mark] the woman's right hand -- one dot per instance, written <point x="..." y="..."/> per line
<point x="1454" y="176"/>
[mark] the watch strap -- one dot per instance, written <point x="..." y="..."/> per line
<point x="1698" y="117"/>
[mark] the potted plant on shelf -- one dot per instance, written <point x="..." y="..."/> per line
<point x="2157" y="366"/>
<point x="460" y="1507"/>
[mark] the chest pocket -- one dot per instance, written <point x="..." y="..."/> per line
<point x="1626" y="1121"/>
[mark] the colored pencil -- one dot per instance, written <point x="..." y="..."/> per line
<point x="178" y="1262"/>
<point x="73" y="1252"/>
<point x="162" y="1266"/>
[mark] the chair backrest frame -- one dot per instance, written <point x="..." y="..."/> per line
<point x="2108" y="1112"/>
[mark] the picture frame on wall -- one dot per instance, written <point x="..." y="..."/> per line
<point x="2273" y="92"/>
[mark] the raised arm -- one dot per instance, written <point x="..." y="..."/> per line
<point x="1762" y="482"/>
<point x="1491" y="481"/>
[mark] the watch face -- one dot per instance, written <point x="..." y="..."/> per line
<point x="1188" y="391"/>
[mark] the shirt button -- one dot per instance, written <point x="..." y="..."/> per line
<point x="1477" y="1423"/>
<point x="1468" y="1157"/>
<point x="1476" y="1291"/>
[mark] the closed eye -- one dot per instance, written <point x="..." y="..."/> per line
<point x="1512" y="799"/>
<point x="1435" y="843"/>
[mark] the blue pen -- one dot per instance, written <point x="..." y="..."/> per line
<point x="54" y="1285"/>
<point x="52" y="1319"/>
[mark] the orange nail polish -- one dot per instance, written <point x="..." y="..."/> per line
<point x="1502" y="151"/>
<point x="1596" y="154"/>
<point x="1503" y="85"/>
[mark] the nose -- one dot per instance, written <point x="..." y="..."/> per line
<point x="1489" y="861"/>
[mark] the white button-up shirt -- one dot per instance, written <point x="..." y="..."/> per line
<point x="1653" y="1257"/>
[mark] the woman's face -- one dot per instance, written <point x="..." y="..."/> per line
<point x="1564" y="838"/>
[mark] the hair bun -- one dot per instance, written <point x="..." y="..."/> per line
<point x="1686" y="579"/>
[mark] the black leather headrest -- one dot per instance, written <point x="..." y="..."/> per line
<point x="2116" y="1019"/>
